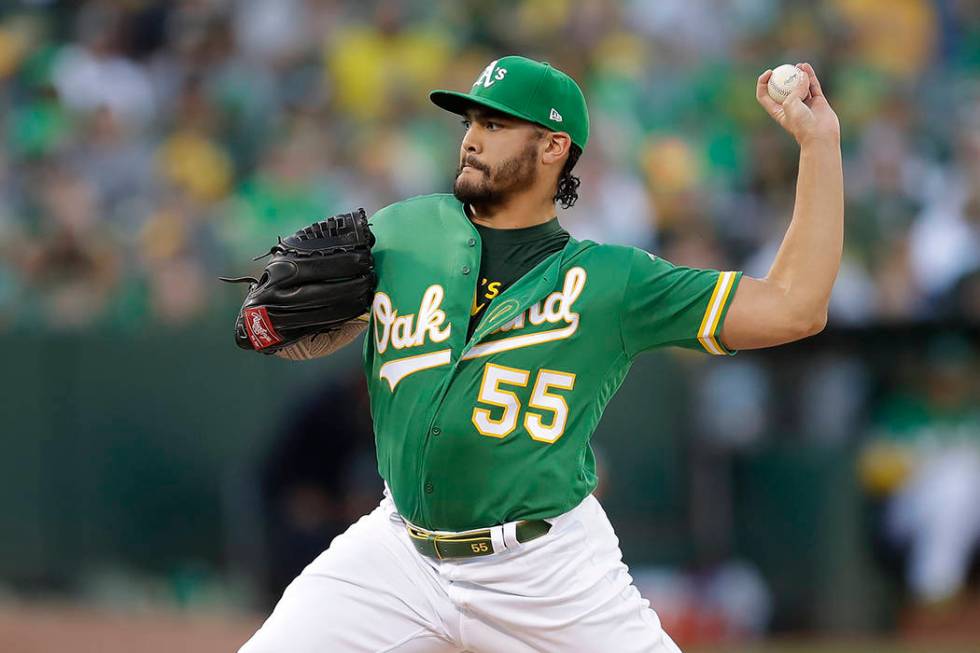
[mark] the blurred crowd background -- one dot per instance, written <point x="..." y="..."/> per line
<point x="151" y="146"/>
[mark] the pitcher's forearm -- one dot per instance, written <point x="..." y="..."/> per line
<point x="809" y="257"/>
<point x="322" y="344"/>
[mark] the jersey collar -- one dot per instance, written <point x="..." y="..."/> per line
<point x="538" y="283"/>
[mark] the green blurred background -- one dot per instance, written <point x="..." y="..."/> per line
<point x="827" y="491"/>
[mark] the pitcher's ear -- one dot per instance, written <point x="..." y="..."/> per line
<point x="559" y="143"/>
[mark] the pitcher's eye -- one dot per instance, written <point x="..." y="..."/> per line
<point x="465" y="123"/>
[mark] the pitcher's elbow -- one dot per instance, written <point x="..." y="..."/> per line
<point x="819" y="324"/>
<point x="813" y="324"/>
<point x="803" y="324"/>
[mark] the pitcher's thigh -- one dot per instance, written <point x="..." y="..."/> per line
<point x="364" y="594"/>
<point x="625" y="624"/>
<point x="318" y="614"/>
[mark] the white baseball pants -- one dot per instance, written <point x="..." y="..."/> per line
<point x="372" y="592"/>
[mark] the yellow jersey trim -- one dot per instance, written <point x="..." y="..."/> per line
<point x="707" y="333"/>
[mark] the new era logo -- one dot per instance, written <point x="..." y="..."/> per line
<point x="555" y="115"/>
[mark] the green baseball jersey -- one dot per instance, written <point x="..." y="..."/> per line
<point x="478" y="430"/>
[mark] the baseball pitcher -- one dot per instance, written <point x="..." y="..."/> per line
<point x="494" y="342"/>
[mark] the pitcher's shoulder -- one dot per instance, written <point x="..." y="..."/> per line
<point x="419" y="207"/>
<point x="603" y="256"/>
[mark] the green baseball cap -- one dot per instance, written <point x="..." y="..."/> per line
<point x="526" y="89"/>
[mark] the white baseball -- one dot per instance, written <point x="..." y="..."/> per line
<point x="782" y="81"/>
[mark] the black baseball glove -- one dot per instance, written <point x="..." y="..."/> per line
<point x="317" y="279"/>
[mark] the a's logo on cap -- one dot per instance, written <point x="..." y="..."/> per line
<point x="555" y="115"/>
<point x="489" y="75"/>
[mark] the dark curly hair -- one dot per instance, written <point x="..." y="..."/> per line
<point x="567" y="193"/>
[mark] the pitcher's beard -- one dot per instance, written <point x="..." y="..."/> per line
<point x="495" y="187"/>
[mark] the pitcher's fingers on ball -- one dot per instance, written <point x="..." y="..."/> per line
<point x="762" y="94"/>
<point x="815" y="88"/>
<point x="809" y="80"/>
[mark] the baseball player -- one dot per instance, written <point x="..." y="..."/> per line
<point x="494" y="342"/>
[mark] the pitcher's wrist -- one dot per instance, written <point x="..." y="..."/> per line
<point x="828" y="140"/>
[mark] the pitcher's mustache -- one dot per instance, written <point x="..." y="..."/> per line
<point x="473" y="164"/>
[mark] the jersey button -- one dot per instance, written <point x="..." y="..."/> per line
<point x="466" y="269"/>
<point x="436" y="430"/>
<point x="429" y="488"/>
<point x="471" y="242"/>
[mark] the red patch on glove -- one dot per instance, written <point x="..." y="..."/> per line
<point x="259" y="328"/>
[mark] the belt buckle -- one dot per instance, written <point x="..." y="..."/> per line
<point x="435" y="547"/>
<point x="421" y="534"/>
